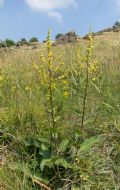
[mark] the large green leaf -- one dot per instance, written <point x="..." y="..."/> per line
<point x="47" y="162"/>
<point x="54" y="161"/>
<point x="43" y="163"/>
<point x="62" y="162"/>
<point x="44" y="140"/>
<point x="89" y="143"/>
<point x="29" y="141"/>
<point x="63" y="145"/>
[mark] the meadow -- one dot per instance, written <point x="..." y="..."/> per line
<point x="60" y="116"/>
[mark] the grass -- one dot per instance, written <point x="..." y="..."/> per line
<point x="56" y="133"/>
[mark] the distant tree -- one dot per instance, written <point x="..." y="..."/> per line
<point x="18" y="43"/>
<point x="58" y="36"/>
<point x="9" y="42"/>
<point x="22" y="42"/>
<point x="33" y="39"/>
<point x="2" y="44"/>
<point x="117" y="24"/>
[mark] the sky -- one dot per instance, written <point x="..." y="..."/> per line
<point x="28" y="18"/>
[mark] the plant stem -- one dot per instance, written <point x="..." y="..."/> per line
<point x="85" y="95"/>
<point x="51" y="98"/>
<point x="88" y="61"/>
<point x="50" y="78"/>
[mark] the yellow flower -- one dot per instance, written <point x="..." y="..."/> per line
<point x="84" y="177"/>
<point x="35" y="66"/>
<point x="1" y="78"/>
<point x="94" y="79"/>
<point x="66" y="94"/>
<point x="27" y="88"/>
<point x="64" y="81"/>
<point x="13" y="88"/>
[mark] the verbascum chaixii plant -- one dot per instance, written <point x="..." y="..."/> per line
<point x="71" y="159"/>
<point x="90" y="69"/>
<point x="53" y="79"/>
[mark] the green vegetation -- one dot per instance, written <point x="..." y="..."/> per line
<point x="34" y="39"/>
<point x="9" y="42"/>
<point x="58" y="36"/>
<point x="60" y="117"/>
<point x="2" y="44"/>
<point x="117" y="24"/>
<point x="22" y="42"/>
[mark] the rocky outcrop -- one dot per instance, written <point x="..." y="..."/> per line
<point x="106" y="30"/>
<point x="69" y="37"/>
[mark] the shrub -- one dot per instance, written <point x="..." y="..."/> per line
<point x="58" y="36"/>
<point x="2" y="44"/>
<point x="34" y="39"/>
<point x="116" y="25"/>
<point x="22" y="42"/>
<point x="9" y="42"/>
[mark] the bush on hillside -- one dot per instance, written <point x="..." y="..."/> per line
<point x="22" y="42"/>
<point x="33" y="39"/>
<point x="2" y="44"/>
<point x="116" y="25"/>
<point x="58" y="36"/>
<point x="9" y="42"/>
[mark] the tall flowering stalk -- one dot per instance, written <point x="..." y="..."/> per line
<point x="50" y="77"/>
<point x="88" y="66"/>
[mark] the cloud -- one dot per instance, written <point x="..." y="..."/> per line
<point x="51" y="7"/>
<point x="56" y="15"/>
<point x="118" y="6"/>
<point x="1" y="3"/>
<point x="118" y="2"/>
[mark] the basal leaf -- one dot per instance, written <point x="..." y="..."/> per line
<point x="89" y="143"/>
<point x="63" y="145"/>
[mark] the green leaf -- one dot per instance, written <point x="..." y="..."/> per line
<point x="31" y="142"/>
<point x="43" y="163"/>
<point x="96" y="87"/>
<point x="89" y="143"/>
<point x="63" y="145"/>
<point x="62" y="162"/>
<point x="44" y="147"/>
<point x="48" y="162"/>
<point x="107" y="105"/>
<point x="45" y="140"/>
<point x="45" y="152"/>
<point x="73" y="151"/>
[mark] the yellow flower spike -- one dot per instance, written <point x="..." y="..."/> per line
<point x="64" y="82"/>
<point x="27" y="88"/>
<point x="13" y="88"/>
<point x="35" y="66"/>
<point x="66" y="94"/>
<point x="94" y="79"/>
<point x="1" y="78"/>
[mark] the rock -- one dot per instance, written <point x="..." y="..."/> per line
<point x="69" y="37"/>
<point x="116" y="29"/>
<point x="108" y="30"/>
